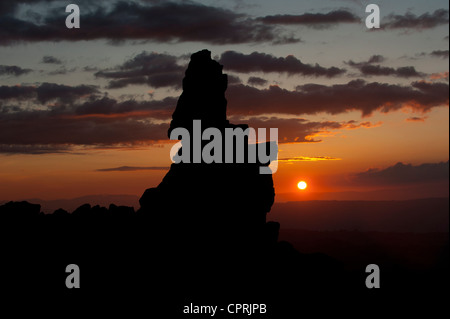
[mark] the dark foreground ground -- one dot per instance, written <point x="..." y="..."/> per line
<point x="129" y="264"/>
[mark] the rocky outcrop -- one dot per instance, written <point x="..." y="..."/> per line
<point x="203" y="96"/>
<point x="220" y="203"/>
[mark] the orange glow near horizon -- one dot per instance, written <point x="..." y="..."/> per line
<point x="328" y="164"/>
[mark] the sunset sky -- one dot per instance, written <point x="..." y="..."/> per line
<point x="86" y="111"/>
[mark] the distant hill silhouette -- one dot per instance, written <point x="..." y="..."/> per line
<point x="418" y="215"/>
<point x="421" y="191"/>
<point x="49" y="206"/>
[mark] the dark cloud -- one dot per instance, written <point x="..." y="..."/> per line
<point x="256" y="81"/>
<point x="133" y="168"/>
<point x="157" y="21"/>
<point x="161" y="109"/>
<point x="93" y="121"/>
<point x="13" y="70"/>
<point x="373" y="59"/>
<point x="301" y="130"/>
<point x="47" y="92"/>
<point x="62" y="71"/>
<point x="81" y="100"/>
<point x="338" y="98"/>
<point x="416" y="119"/>
<point x="440" y="54"/>
<point x="51" y="60"/>
<point x="9" y="149"/>
<point x="81" y="116"/>
<point x="44" y="128"/>
<point x="17" y="92"/>
<point x="313" y="20"/>
<point x="105" y="122"/>
<point x="9" y="7"/>
<point x="368" y="68"/>
<point x="404" y="173"/>
<point x="154" y="69"/>
<point x="404" y="72"/>
<point x="66" y="94"/>
<point x="376" y="59"/>
<point x="308" y="159"/>
<point x="233" y="79"/>
<point x="243" y="100"/>
<point x="411" y="21"/>
<point x="262" y="62"/>
<point x="90" y="68"/>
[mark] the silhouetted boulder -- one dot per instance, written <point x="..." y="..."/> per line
<point x="60" y="213"/>
<point x="20" y="210"/>
<point x="82" y="211"/>
<point x="98" y="211"/>
<point x="120" y="211"/>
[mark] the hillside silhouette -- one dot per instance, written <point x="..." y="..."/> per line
<point x="201" y="235"/>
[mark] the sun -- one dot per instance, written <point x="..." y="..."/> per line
<point x="302" y="185"/>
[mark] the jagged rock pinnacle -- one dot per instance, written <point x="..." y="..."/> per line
<point x="203" y="96"/>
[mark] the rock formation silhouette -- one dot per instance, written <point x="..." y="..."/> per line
<point x="213" y="215"/>
<point x="222" y="204"/>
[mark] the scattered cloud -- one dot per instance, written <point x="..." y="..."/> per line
<point x="107" y="107"/>
<point x="48" y="59"/>
<point x="308" y="159"/>
<point x="233" y="79"/>
<point x="352" y="125"/>
<point x="61" y="117"/>
<point x="367" y="68"/>
<point x="313" y="20"/>
<point x="158" y="21"/>
<point x="133" y="168"/>
<point x="11" y="149"/>
<point x="377" y="58"/>
<point x="301" y="130"/>
<point x="412" y="21"/>
<point x="440" y="54"/>
<point x="47" y="92"/>
<point x="42" y="128"/>
<point x="13" y="70"/>
<point x="154" y="69"/>
<point x="89" y="68"/>
<point x="356" y="95"/>
<point x="404" y="173"/>
<point x="62" y="71"/>
<point x="404" y="72"/>
<point x="17" y="92"/>
<point x="262" y="62"/>
<point x="416" y="119"/>
<point x="256" y="81"/>
<point x="439" y="76"/>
